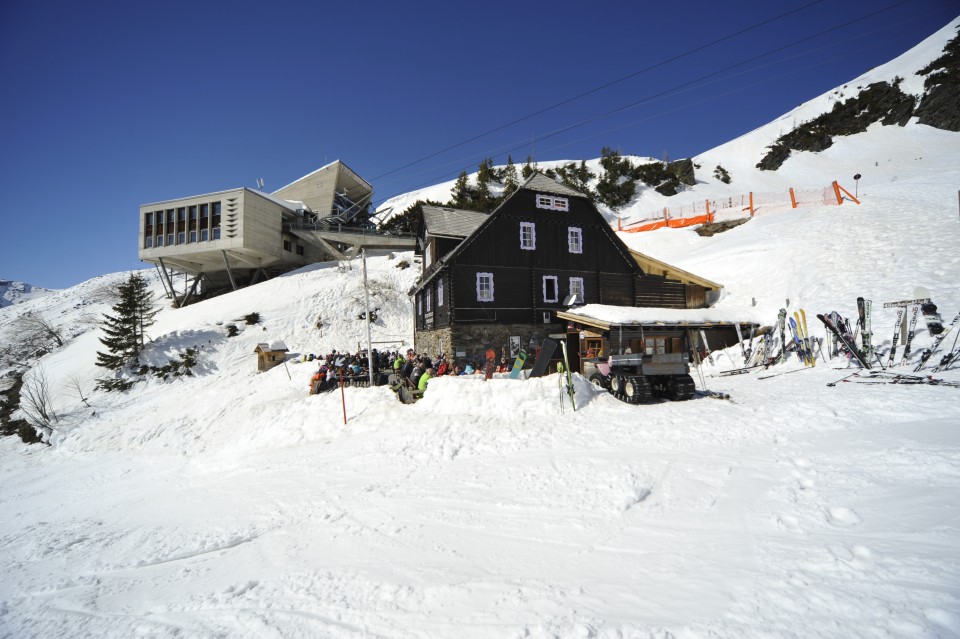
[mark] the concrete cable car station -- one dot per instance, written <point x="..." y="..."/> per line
<point x="229" y="239"/>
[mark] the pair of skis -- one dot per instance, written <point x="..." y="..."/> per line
<point x="936" y="344"/>
<point x="569" y="376"/>
<point x="745" y="349"/>
<point x="911" y="329"/>
<point x="801" y="337"/>
<point x="846" y="339"/>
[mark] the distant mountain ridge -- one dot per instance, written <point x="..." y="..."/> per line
<point x="17" y="292"/>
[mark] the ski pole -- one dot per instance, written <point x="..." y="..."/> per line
<point x="843" y="379"/>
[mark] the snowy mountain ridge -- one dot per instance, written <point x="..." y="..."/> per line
<point x="16" y="292"/>
<point x="741" y="155"/>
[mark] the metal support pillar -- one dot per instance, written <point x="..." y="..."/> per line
<point x="226" y="262"/>
<point x="163" y="281"/>
<point x="166" y="274"/>
<point x="193" y="289"/>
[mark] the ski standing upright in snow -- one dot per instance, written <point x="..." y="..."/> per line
<point x="566" y="365"/>
<point x="743" y="349"/>
<point x="797" y="330"/>
<point x="864" y="308"/>
<point x="781" y="321"/>
<point x="807" y="340"/>
<point x="896" y="336"/>
<point x="910" y="330"/>
<point x="706" y="346"/>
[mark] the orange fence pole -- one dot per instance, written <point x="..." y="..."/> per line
<point x="793" y="198"/>
<point x="751" y="204"/>
<point x="709" y="214"/>
<point x="836" y="192"/>
<point x="847" y="192"/>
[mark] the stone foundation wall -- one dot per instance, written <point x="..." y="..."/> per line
<point x="469" y="342"/>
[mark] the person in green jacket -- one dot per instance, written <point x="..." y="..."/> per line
<point x="425" y="379"/>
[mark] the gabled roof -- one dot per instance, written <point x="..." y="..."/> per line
<point x="442" y="221"/>
<point x="271" y="348"/>
<point x="324" y="167"/>
<point x="540" y="182"/>
<point x="537" y="183"/>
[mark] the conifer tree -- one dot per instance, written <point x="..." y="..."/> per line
<point x="722" y="174"/>
<point x="126" y="329"/>
<point x="528" y="168"/>
<point x="485" y="199"/>
<point x="576" y="177"/>
<point x="460" y="194"/>
<point x="511" y="182"/>
<point x="616" y="186"/>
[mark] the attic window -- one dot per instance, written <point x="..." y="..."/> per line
<point x="552" y="203"/>
<point x="528" y="236"/>
<point x="439" y="292"/>
<point x="484" y="287"/>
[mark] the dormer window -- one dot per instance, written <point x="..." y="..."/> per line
<point x="552" y="202"/>
<point x="528" y="236"/>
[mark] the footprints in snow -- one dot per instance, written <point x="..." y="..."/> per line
<point x="805" y="476"/>
<point x="843" y="517"/>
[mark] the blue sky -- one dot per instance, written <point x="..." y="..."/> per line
<point x="108" y="105"/>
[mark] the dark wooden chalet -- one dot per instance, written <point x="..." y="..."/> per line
<point x="499" y="279"/>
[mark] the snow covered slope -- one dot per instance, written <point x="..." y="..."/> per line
<point x="233" y="504"/>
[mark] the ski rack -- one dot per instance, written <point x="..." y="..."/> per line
<point x="906" y="303"/>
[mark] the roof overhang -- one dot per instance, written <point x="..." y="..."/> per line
<point x="653" y="266"/>
<point x="605" y="317"/>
